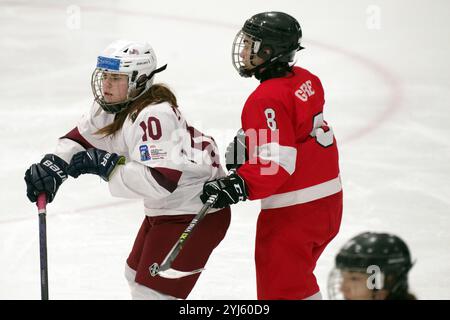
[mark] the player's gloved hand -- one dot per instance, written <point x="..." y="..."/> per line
<point x="236" y="153"/>
<point x="45" y="176"/>
<point x="94" y="161"/>
<point x="230" y="190"/>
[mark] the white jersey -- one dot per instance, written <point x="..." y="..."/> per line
<point x="167" y="161"/>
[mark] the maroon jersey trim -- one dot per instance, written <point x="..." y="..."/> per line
<point x="166" y="178"/>
<point x="76" y="136"/>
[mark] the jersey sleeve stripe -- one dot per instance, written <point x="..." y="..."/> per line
<point x="285" y="157"/>
<point x="76" y="136"/>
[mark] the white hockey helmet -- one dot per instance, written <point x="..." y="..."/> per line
<point x="137" y="60"/>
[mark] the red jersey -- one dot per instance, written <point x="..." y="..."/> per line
<point x="293" y="155"/>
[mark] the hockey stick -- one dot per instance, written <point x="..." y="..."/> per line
<point x="164" y="270"/>
<point x="42" y="210"/>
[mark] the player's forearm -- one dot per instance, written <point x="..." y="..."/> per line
<point x="66" y="148"/>
<point x="135" y="181"/>
<point x="262" y="180"/>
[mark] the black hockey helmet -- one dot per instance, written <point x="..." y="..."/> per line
<point x="275" y="38"/>
<point x="386" y="251"/>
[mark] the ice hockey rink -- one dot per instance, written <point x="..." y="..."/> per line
<point x="386" y="73"/>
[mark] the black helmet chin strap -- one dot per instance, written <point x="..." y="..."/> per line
<point x="160" y="69"/>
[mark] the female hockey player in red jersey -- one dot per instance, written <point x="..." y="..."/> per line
<point x="135" y="138"/>
<point x="372" y="266"/>
<point x="292" y="160"/>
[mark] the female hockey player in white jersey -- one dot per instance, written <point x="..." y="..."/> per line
<point x="136" y="139"/>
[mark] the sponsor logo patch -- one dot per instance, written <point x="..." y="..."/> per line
<point x="145" y="155"/>
<point x="108" y="63"/>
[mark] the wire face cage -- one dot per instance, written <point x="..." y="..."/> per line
<point x="99" y="76"/>
<point x="244" y="50"/>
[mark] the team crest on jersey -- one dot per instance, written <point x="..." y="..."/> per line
<point x="145" y="155"/>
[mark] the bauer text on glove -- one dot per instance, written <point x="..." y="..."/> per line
<point x="45" y="176"/>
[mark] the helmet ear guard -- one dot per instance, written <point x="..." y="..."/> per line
<point x="137" y="86"/>
<point x="142" y="83"/>
<point x="265" y="52"/>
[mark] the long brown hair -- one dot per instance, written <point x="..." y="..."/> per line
<point x="157" y="93"/>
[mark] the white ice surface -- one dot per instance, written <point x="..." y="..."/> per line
<point x="387" y="93"/>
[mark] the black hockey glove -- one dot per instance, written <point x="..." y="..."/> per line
<point x="236" y="153"/>
<point x="45" y="176"/>
<point x="94" y="161"/>
<point x="230" y="190"/>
